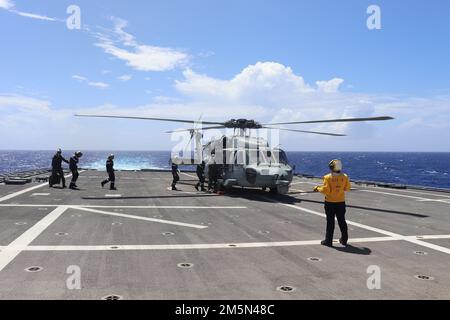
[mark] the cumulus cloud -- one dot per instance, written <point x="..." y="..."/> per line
<point x="266" y="92"/>
<point x="278" y="90"/>
<point x="124" y="46"/>
<point x="329" y="86"/>
<point x="264" y="81"/>
<point x="100" y="85"/>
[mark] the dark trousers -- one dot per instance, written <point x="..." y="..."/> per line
<point x="60" y="173"/>
<point x="201" y="181"/>
<point x="337" y="210"/>
<point x="212" y="178"/>
<point x="111" y="176"/>
<point x="176" y="178"/>
<point x="75" y="175"/>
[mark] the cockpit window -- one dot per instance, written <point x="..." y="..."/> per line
<point x="283" y="157"/>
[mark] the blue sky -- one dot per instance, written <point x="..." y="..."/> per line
<point x="268" y="60"/>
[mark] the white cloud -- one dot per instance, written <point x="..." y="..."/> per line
<point x="264" y="82"/>
<point x="82" y="79"/>
<point x="329" y="86"/>
<point x="266" y="92"/>
<point x="9" y="102"/>
<point x="10" y="6"/>
<point x="138" y="56"/>
<point x="125" y="77"/>
<point x="33" y="15"/>
<point x="6" y="4"/>
<point x="100" y="85"/>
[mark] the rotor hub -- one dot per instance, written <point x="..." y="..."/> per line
<point x="242" y="124"/>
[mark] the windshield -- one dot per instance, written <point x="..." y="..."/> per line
<point x="258" y="157"/>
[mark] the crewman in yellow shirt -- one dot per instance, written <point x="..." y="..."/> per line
<point x="335" y="184"/>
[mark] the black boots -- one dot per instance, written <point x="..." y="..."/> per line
<point x="73" y="186"/>
<point x="111" y="187"/>
<point x="326" y="243"/>
<point x="200" y="185"/>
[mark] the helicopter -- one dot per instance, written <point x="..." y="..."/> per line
<point x="243" y="160"/>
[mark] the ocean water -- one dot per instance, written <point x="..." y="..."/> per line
<point x="421" y="169"/>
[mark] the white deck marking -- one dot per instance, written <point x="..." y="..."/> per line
<point x="217" y="245"/>
<point x="405" y="196"/>
<point x="40" y="194"/>
<point x="437" y="194"/>
<point x="303" y="192"/>
<point x="121" y="207"/>
<point x="18" y="193"/>
<point x="11" y="251"/>
<point x="189" y="175"/>
<point x="113" y="195"/>
<point x="435" y="200"/>
<point x="143" y="218"/>
<point x="356" y="224"/>
<point x="378" y="230"/>
<point x="306" y="182"/>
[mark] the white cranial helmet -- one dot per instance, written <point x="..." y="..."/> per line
<point x="335" y="165"/>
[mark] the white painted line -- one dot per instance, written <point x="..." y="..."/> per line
<point x="197" y="246"/>
<point x="356" y="224"/>
<point x="14" y="248"/>
<point x="435" y="200"/>
<point x="306" y="182"/>
<point x="395" y="194"/>
<point x="9" y="205"/>
<point x="294" y="183"/>
<point x="217" y="245"/>
<point x="189" y="175"/>
<point x="378" y="230"/>
<point x="303" y="192"/>
<point x="18" y="193"/>
<point x="437" y="194"/>
<point x="40" y="194"/>
<point x="431" y="237"/>
<point x="143" y="218"/>
<point x="406" y="196"/>
<point x="429" y="245"/>
<point x="113" y="195"/>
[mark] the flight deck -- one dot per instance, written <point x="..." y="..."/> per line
<point x="145" y="241"/>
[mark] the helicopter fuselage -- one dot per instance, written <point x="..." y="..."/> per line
<point x="248" y="162"/>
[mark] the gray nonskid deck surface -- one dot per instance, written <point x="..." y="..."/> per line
<point x="243" y="245"/>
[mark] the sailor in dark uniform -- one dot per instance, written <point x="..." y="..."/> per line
<point x="212" y="173"/>
<point x="111" y="175"/>
<point x="201" y="176"/>
<point x="73" y="166"/>
<point x="175" y="175"/>
<point x="57" y="168"/>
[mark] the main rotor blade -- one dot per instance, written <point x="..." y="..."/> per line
<point x="334" y="120"/>
<point x="313" y="132"/>
<point x="143" y="118"/>
<point x="199" y="129"/>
